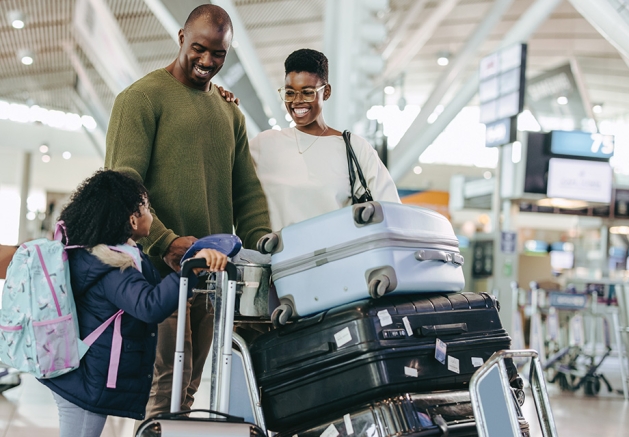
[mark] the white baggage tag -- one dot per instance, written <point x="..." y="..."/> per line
<point x="441" y="349"/>
<point x="330" y="431"/>
<point x="411" y="371"/>
<point x="407" y="325"/>
<point x="348" y="424"/>
<point x="453" y="364"/>
<point x="343" y="337"/>
<point x="477" y="362"/>
<point x="385" y="318"/>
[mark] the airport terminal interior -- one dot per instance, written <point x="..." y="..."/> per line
<point x="508" y="118"/>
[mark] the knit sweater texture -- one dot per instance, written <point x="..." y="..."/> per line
<point x="190" y="149"/>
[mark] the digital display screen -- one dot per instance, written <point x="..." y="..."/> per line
<point x="580" y="180"/>
<point x="581" y="144"/>
<point x="560" y="260"/>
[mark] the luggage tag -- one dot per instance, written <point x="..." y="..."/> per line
<point x="348" y="424"/>
<point x="330" y="431"/>
<point x="453" y="364"/>
<point x="441" y="350"/>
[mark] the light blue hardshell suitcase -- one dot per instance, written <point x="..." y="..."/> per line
<point x="368" y="249"/>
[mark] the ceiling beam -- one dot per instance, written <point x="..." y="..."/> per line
<point x="415" y="141"/>
<point x="409" y="17"/>
<point x="602" y="15"/>
<point x="453" y="72"/>
<point x="417" y="39"/>
<point x="250" y="60"/>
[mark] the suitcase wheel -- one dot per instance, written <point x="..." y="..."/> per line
<point x="281" y="315"/>
<point x="379" y="286"/>
<point x="364" y="213"/>
<point x="268" y="243"/>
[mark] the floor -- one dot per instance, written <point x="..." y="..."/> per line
<point x="29" y="410"/>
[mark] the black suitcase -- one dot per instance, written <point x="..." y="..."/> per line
<point x="371" y="349"/>
<point x="447" y="413"/>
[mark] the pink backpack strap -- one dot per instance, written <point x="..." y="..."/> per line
<point x="116" y="345"/>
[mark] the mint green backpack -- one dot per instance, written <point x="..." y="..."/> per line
<point x="39" y="331"/>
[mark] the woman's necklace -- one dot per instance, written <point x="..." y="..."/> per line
<point x="315" y="140"/>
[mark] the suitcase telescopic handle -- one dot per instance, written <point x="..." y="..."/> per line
<point x="439" y="255"/>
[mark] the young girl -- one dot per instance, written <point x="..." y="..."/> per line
<point x="106" y="215"/>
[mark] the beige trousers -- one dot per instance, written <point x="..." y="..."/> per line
<point x="198" y="339"/>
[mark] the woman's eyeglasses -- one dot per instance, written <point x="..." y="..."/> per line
<point x="307" y="95"/>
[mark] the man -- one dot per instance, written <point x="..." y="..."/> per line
<point x="188" y="145"/>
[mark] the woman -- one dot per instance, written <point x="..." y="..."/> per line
<point x="303" y="170"/>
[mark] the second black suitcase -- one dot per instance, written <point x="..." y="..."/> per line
<point x="371" y="349"/>
<point x="415" y="415"/>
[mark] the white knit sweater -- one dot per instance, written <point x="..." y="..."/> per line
<point x="299" y="186"/>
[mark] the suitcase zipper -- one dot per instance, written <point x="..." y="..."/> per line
<point x="323" y="256"/>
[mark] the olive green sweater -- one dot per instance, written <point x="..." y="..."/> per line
<point x="190" y="150"/>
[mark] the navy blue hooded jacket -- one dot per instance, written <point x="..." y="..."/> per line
<point x="100" y="289"/>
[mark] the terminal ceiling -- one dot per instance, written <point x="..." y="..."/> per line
<point x="277" y="27"/>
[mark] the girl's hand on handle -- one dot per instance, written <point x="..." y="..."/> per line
<point x="216" y="261"/>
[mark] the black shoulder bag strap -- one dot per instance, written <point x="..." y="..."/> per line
<point x="351" y="161"/>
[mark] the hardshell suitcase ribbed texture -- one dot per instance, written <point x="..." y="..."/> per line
<point x="416" y="415"/>
<point x="371" y="349"/>
<point x="363" y="250"/>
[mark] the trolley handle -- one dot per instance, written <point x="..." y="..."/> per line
<point x="193" y="263"/>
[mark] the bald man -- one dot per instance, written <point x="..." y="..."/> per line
<point x="173" y="131"/>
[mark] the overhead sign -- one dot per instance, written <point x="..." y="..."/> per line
<point x="580" y="180"/>
<point x="581" y="144"/>
<point x="501" y="132"/>
<point x="501" y="88"/>
<point x="508" y="242"/>
<point x="542" y="94"/>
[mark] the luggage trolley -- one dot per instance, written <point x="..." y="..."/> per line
<point x="495" y="408"/>
<point x="219" y="422"/>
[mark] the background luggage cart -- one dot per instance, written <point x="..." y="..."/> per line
<point x="219" y="423"/>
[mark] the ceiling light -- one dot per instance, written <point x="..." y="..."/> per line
<point x="443" y="58"/>
<point x="562" y="100"/>
<point x="45" y="158"/>
<point x="389" y="90"/>
<point x="597" y="109"/>
<point x="16" y="18"/>
<point x="43" y="148"/>
<point x="417" y="169"/>
<point x="67" y="155"/>
<point x="25" y="56"/>
<point x="619" y="230"/>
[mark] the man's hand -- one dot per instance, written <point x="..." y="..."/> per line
<point x="176" y="251"/>
<point x="228" y="96"/>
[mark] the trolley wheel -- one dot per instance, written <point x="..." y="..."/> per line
<point x="364" y="213"/>
<point x="592" y="386"/>
<point x="281" y="314"/>
<point x="379" y="286"/>
<point x="562" y="379"/>
<point x="268" y="243"/>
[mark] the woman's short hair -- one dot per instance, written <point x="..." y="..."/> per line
<point x="99" y="209"/>
<point x="308" y="60"/>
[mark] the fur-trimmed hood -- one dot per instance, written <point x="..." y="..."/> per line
<point x="111" y="257"/>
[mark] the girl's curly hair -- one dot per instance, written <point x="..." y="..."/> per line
<point x="99" y="209"/>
